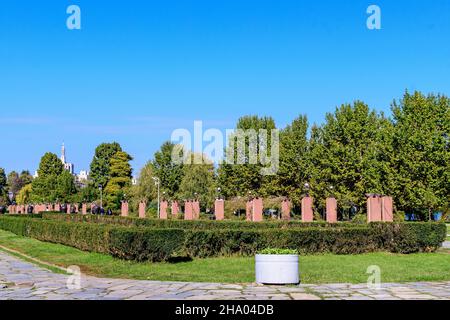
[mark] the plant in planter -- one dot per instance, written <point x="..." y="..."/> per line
<point x="277" y="266"/>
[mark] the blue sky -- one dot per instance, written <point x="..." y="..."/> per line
<point x="137" y="70"/>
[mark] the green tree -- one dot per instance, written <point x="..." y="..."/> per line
<point x="145" y="188"/>
<point x="294" y="160"/>
<point x="45" y="186"/>
<point x="198" y="181"/>
<point x="242" y="176"/>
<point x="100" y="165"/>
<point x="120" y="172"/>
<point x="25" y="194"/>
<point x="168" y="171"/>
<point x="66" y="189"/>
<point x="3" y="185"/>
<point x="422" y="152"/>
<point x="14" y="183"/>
<point x="348" y="153"/>
<point x="25" y="178"/>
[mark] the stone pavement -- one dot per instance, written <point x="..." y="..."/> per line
<point x="24" y="281"/>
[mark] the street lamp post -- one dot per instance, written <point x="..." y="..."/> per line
<point x="156" y="179"/>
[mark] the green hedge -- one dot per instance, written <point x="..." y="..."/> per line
<point x="155" y="244"/>
<point x="122" y="242"/>
<point x="194" y="224"/>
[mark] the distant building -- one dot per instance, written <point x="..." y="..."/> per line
<point x="67" y="166"/>
<point x="83" y="176"/>
<point x="134" y="181"/>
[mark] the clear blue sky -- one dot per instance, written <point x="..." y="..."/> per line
<point x="139" y="69"/>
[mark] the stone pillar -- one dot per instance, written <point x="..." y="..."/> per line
<point x="196" y="209"/>
<point x="307" y="209"/>
<point x="219" y="209"/>
<point x="387" y="211"/>
<point x="249" y="210"/>
<point x="77" y="207"/>
<point x="142" y="208"/>
<point x="257" y="209"/>
<point x="331" y="205"/>
<point x="84" y="208"/>
<point x="124" y="209"/>
<point x="69" y="207"/>
<point x="374" y="208"/>
<point x="163" y="210"/>
<point x="175" y="208"/>
<point x="57" y="207"/>
<point x="286" y="210"/>
<point x="188" y="210"/>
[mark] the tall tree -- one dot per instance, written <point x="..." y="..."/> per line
<point x="243" y="175"/>
<point x="422" y="150"/>
<point x="100" y="164"/>
<point x="3" y="184"/>
<point x="348" y="153"/>
<point x="198" y="181"/>
<point x="145" y="188"/>
<point x="120" y="172"/>
<point x="45" y="186"/>
<point x="168" y="171"/>
<point x="294" y="160"/>
<point x="14" y="183"/>
<point x="25" y="177"/>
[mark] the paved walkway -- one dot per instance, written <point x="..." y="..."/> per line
<point x="25" y="281"/>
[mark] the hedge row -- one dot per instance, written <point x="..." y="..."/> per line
<point x="122" y="242"/>
<point x="142" y="244"/>
<point x="194" y="224"/>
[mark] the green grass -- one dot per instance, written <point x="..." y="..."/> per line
<point x="314" y="268"/>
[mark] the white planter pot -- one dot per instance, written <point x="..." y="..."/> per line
<point x="276" y="269"/>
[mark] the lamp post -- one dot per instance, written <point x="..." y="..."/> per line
<point x="307" y="187"/>
<point x="157" y="182"/>
<point x="218" y="193"/>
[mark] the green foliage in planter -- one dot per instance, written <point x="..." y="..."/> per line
<point x="278" y="251"/>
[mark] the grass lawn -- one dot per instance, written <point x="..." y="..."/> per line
<point x="314" y="268"/>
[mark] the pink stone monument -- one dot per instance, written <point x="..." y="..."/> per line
<point x="69" y="208"/>
<point x="175" y="208"/>
<point x="257" y="209"/>
<point x="249" y="210"/>
<point x="286" y="210"/>
<point x="124" y="209"/>
<point x="188" y="210"/>
<point x="374" y="208"/>
<point x="84" y="209"/>
<point x="387" y="209"/>
<point x="219" y="209"/>
<point x="163" y="209"/>
<point x="57" y="207"/>
<point x="142" y="207"/>
<point x="196" y="209"/>
<point x="307" y="209"/>
<point x="331" y="205"/>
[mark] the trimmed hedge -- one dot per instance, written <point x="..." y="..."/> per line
<point x="122" y="242"/>
<point x="155" y="244"/>
<point x="195" y="224"/>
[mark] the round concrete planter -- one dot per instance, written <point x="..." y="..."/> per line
<point x="276" y="269"/>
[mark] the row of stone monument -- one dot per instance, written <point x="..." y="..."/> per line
<point x="379" y="208"/>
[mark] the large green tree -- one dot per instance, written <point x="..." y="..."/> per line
<point x="240" y="174"/>
<point x="348" y="153"/>
<point x="422" y="152"/>
<point x="294" y="160"/>
<point x="169" y="172"/>
<point x="16" y="182"/>
<point x="100" y="165"/>
<point x="198" y="181"/>
<point x="145" y="188"/>
<point x="120" y="173"/>
<point x="45" y="186"/>
<point x="3" y="185"/>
